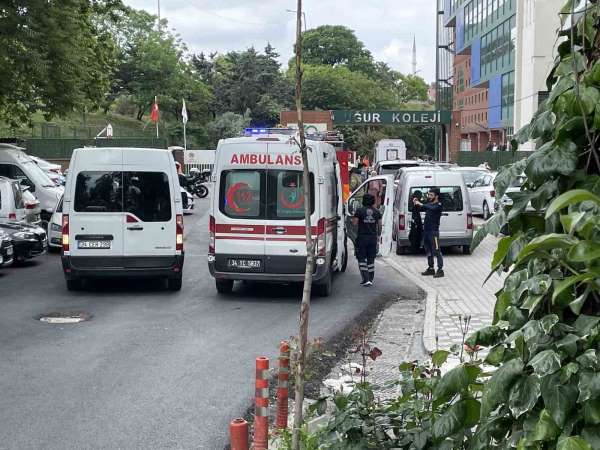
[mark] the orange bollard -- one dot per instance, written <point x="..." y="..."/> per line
<point x="283" y="379"/>
<point x="261" y="419"/>
<point x="238" y="434"/>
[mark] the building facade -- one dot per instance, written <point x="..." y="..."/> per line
<point x="483" y="78"/>
<point x="502" y="53"/>
<point x="536" y="43"/>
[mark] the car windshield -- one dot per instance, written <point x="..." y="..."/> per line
<point x="450" y="197"/>
<point x="37" y="175"/>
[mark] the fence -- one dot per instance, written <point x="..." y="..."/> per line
<point x="494" y="159"/>
<point x="63" y="148"/>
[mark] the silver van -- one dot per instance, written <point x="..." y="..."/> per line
<point x="17" y="165"/>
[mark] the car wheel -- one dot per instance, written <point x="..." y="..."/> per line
<point x="73" y="285"/>
<point x="466" y="249"/>
<point x="324" y="288"/>
<point x="486" y="211"/>
<point x="174" y="284"/>
<point x="345" y="257"/>
<point x="224" y="286"/>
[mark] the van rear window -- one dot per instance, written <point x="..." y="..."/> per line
<point x="145" y="194"/>
<point x="450" y="197"/>
<point x="261" y="194"/>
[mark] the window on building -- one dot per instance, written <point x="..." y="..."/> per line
<point x="508" y="96"/>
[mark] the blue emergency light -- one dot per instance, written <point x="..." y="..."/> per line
<point x="249" y="132"/>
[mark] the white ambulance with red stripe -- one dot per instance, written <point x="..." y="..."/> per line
<point x="257" y="211"/>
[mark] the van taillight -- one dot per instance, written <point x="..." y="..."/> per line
<point x="469" y="221"/>
<point x="212" y="228"/>
<point x="492" y="194"/>
<point x="401" y="222"/>
<point x="12" y="216"/>
<point x="65" y="232"/>
<point x="30" y="205"/>
<point x="322" y="237"/>
<point x="179" y="231"/>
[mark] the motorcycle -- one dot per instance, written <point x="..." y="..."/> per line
<point x="194" y="183"/>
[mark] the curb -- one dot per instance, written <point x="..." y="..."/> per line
<point x="429" y="324"/>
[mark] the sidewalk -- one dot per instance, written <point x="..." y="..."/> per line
<point x="461" y="292"/>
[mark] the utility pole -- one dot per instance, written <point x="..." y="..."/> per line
<point x="158" y="1"/>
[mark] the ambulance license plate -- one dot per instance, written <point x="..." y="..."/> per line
<point x="93" y="244"/>
<point x="243" y="264"/>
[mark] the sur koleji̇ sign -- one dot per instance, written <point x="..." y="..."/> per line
<point x="341" y="117"/>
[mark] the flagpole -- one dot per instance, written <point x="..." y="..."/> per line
<point x="156" y="103"/>
<point x="184" y="138"/>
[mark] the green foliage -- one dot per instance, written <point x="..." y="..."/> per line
<point x="544" y="343"/>
<point x="54" y="58"/>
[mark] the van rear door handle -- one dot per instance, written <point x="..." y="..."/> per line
<point x="135" y="228"/>
<point x="279" y="230"/>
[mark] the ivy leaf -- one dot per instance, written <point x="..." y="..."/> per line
<point x="507" y="176"/>
<point x="589" y="386"/>
<point x="584" y="324"/>
<point x="546" y="243"/>
<point x="439" y="357"/>
<point x="497" y="389"/>
<point x="591" y="412"/>
<point x="495" y="355"/>
<point x="486" y="336"/>
<point x="524" y="395"/>
<point x="563" y="85"/>
<point x="548" y="322"/>
<point x="550" y="159"/>
<point x="559" y="399"/>
<point x="462" y="414"/>
<point x="571" y="197"/>
<point x="568" y="344"/>
<point x="451" y="383"/>
<point x="572" y="443"/>
<point x="590" y="97"/>
<point x="592" y="435"/>
<point x="542" y="124"/>
<point x="501" y="251"/>
<point x="568" y="371"/>
<point x="545" y="363"/>
<point x="545" y="429"/>
<point x="562" y="285"/>
<point x="588" y="360"/>
<point x="585" y="251"/>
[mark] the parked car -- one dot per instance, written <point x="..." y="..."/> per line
<point x="17" y="203"/>
<point x="122" y="216"/>
<point x="391" y="167"/>
<point x="28" y="240"/>
<point x="470" y="174"/>
<point x="54" y="171"/>
<point x="483" y="195"/>
<point x="6" y="250"/>
<point x="55" y="227"/>
<point x="17" y="165"/>
<point x="456" y="225"/>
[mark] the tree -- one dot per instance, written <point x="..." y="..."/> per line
<point x="247" y="80"/>
<point x="54" y="58"/>
<point x="411" y="88"/>
<point x="228" y="125"/>
<point x="327" y="87"/>
<point x="336" y="45"/>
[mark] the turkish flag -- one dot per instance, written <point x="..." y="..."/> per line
<point x="154" y="113"/>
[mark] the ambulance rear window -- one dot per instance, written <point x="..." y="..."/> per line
<point x="242" y="193"/>
<point x="285" y="195"/>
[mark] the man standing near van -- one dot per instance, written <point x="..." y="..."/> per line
<point x="368" y="220"/>
<point x="431" y="232"/>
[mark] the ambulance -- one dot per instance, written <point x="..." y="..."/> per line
<point x="256" y="222"/>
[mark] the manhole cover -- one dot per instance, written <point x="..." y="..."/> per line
<point x="60" y="318"/>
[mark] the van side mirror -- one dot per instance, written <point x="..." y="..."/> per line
<point x="26" y="184"/>
<point x="353" y="205"/>
<point x="469" y="185"/>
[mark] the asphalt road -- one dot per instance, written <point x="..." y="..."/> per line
<point x="151" y="369"/>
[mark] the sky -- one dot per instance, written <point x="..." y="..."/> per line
<point x="386" y="27"/>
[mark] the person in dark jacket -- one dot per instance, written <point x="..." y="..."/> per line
<point x="415" y="236"/>
<point x="368" y="220"/>
<point x="431" y="232"/>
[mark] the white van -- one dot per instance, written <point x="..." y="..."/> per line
<point x="257" y="212"/>
<point x="456" y="225"/>
<point x="17" y="165"/>
<point x="122" y="216"/>
<point x="382" y="188"/>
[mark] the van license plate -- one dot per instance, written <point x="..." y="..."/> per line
<point x="243" y="264"/>
<point x="93" y="244"/>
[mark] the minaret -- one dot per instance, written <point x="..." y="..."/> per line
<point x="414" y="60"/>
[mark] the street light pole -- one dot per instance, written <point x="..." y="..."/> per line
<point x="303" y="15"/>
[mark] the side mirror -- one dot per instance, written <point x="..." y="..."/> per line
<point x="353" y="205"/>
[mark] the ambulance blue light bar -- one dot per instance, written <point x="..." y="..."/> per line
<point x="249" y="132"/>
